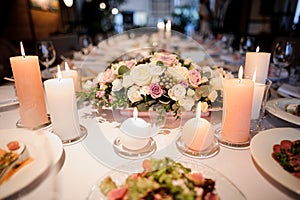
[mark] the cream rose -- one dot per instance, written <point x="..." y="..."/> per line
<point x="179" y="73"/>
<point x="133" y="94"/>
<point x="116" y="85"/>
<point x="187" y="103"/>
<point x="177" y="92"/>
<point x="213" y="95"/>
<point x="127" y="82"/>
<point x="156" y="70"/>
<point x="140" y="75"/>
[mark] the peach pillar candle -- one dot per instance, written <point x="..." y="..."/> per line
<point x="29" y="88"/>
<point x="237" y="107"/>
<point x="62" y="107"/>
<point x="68" y="73"/>
<point x="196" y="132"/>
<point x="259" y="62"/>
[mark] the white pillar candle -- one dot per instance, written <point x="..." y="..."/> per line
<point x="196" y="132"/>
<point x="258" y="94"/>
<point x="69" y="73"/>
<point x="161" y="29"/>
<point x="136" y="132"/>
<point x="168" y="35"/>
<point x="259" y="62"/>
<point x="62" y="105"/>
<point x="237" y="107"/>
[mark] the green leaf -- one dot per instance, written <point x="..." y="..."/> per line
<point x="123" y="69"/>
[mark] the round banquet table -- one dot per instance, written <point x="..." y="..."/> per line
<point x="79" y="169"/>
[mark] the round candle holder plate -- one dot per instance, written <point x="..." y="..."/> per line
<point x="80" y="137"/>
<point x="232" y="145"/>
<point x="208" y="152"/>
<point x="127" y="153"/>
<point x="42" y="126"/>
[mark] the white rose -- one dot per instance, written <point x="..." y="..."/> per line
<point x="204" y="106"/>
<point x="204" y="79"/>
<point x="216" y="83"/>
<point x="116" y="85"/>
<point x="213" y="95"/>
<point x="88" y="85"/>
<point x="187" y="103"/>
<point x="187" y="61"/>
<point x="179" y="73"/>
<point x="133" y="94"/>
<point x="156" y="70"/>
<point x="103" y="86"/>
<point x="155" y="79"/>
<point x="190" y="92"/>
<point x="98" y="78"/>
<point x="140" y="75"/>
<point x="178" y="91"/>
<point x="145" y="90"/>
<point x="127" y="82"/>
<point x="207" y="69"/>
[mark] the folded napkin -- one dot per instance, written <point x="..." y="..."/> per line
<point x="290" y="90"/>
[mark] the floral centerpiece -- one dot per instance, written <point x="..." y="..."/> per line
<point x="160" y="79"/>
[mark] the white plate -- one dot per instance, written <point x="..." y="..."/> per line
<point x="261" y="149"/>
<point x="277" y="108"/>
<point x="224" y="187"/>
<point x="44" y="147"/>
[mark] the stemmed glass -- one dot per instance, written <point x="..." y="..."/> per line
<point x="283" y="56"/>
<point x="46" y="53"/>
<point x="86" y="44"/>
<point x="246" y="45"/>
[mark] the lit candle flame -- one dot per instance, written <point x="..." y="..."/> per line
<point x="22" y="49"/>
<point x="67" y="68"/>
<point x="161" y="25"/>
<point x="135" y="113"/>
<point x="257" y="49"/>
<point x="59" y="75"/>
<point x="241" y="72"/>
<point x="199" y="108"/>
<point x="254" y="76"/>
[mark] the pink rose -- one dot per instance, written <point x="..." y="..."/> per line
<point x="108" y="76"/>
<point x="130" y="63"/>
<point x="184" y="84"/>
<point x="100" y="93"/>
<point x="168" y="59"/>
<point x="194" y="78"/>
<point x="155" y="90"/>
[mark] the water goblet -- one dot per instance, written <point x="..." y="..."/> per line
<point x="247" y="44"/>
<point x="47" y="55"/>
<point x="86" y="44"/>
<point x="283" y="55"/>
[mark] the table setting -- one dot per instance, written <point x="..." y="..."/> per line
<point x="147" y="109"/>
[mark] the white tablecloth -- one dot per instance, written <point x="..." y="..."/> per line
<point x="81" y="169"/>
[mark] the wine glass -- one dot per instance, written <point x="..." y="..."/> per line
<point x="283" y="56"/>
<point x="246" y="45"/>
<point x="46" y="53"/>
<point x="86" y="44"/>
